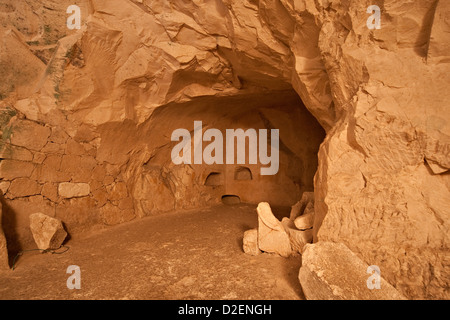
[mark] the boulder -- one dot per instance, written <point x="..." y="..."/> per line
<point x="48" y="232"/>
<point x="298" y="238"/>
<point x="271" y="234"/>
<point x="331" y="271"/>
<point x="250" y="242"/>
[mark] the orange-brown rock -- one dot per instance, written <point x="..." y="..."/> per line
<point x="362" y="115"/>
<point x="250" y="242"/>
<point x="48" y="232"/>
<point x="272" y="237"/>
<point x="23" y="187"/>
<point x="73" y="190"/>
<point x="4" y="265"/>
<point x="331" y="271"/>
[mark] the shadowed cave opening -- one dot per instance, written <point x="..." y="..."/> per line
<point x="205" y="183"/>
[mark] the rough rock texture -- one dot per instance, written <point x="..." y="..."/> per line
<point x="331" y="271"/>
<point x="73" y="190"/>
<point x="375" y="189"/>
<point x="298" y="238"/>
<point x="48" y="232"/>
<point x="4" y="265"/>
<point x="306" y="219"/>
<point x="93" y="106"/>
<point x="250" y="242"/>
<point x="272" y="236"/>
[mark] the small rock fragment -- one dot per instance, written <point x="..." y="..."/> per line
<point x="298" y="238"/>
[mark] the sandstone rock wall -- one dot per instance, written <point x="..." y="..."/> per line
<point x="382" y="185"/>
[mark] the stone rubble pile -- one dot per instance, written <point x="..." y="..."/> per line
<point x="331" y="271"/>
<point x="3" y="251"/>
<point x="48" y="232"/>
<point x="286" y="237"/>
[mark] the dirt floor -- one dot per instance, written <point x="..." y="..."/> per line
<point x="181" y="255"/>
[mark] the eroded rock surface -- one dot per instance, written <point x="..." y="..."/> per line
<point x="306" y="219"/>
<point x="299" y="207"/>
<point x="73" y="190"/>
<point x="48" y="232"/>
<point x="4" y="265"/>
<point x="298" y="238"/>
<point x="272" y="236"/>
<point x="250" y="242"/>
<point x="331" y="271"/>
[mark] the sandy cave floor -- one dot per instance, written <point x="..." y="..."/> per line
<point x="194" y="254"/>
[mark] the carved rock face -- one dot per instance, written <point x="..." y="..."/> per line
<point x="272" y="237"/>
<point x="101" y="111"/>
<point x="331" y="271"/>
<point x="4" y="265"/>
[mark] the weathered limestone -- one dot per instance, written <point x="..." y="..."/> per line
<point x="23" y="187"/>
<point x="306" y="219"/>
<point x="250" y="242"/>
<point x="271" y="234"/>
<point x="374" y="188"/>
<point x="4" y="186"/>
<point x="29" y="134"/>
<point x="73" y="190"/>
<point x="21" y="69"/>
<point x="48" y="232"/>
<point x="282" y="238"/>
<point x="3" y="248"/>
<point x="382" y="184"/>
<point x="331" y="271"/>
<point x="298" y="238"/>
<point x="299" y="208"/>
<point x="11" y="169"/>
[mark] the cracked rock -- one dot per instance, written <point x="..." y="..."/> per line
<point x="3" y="251"/>
<point x="250" y="242"/>
<point x="271" y="234"/>
<point x="331" y="271"/>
